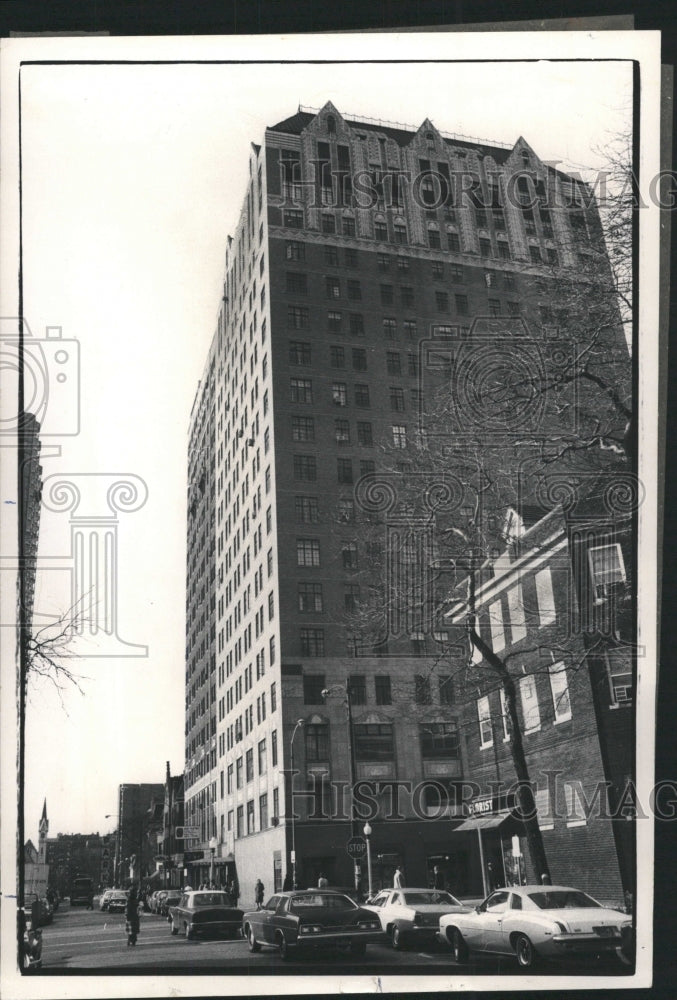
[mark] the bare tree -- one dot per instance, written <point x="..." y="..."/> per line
<point x="49" y="647"/>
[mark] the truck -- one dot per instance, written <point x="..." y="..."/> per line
<point x="82" y="892"/>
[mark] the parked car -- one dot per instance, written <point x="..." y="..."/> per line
<point x="30" y="939"/>
<point x="170" y="899"/>
<point x="205" y="911"/>
<point x="533" y="922"/>
<point x="104" y="898"/>
<point x="413" y="915"/>
<point x="117" y="901"/>
<point x="311" y="918"/>
<point x="39" y="908"/>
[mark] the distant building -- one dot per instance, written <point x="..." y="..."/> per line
<point x="136" y="834"/>
<point x="36" y="867"/>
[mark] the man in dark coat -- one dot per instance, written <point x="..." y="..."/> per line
<point x="132" y="916"/>
<point x="258" y="893"/>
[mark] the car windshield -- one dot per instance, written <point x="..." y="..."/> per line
<point x="322" y="900"/>
<point x="211" y="899"/>
<point x="562" y="899"/>
<point x="431" y="898"/>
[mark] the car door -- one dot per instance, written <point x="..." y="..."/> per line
<point x="512" y="920"/>
<point x="265" y="920"/>
<point x="491" y="922"/>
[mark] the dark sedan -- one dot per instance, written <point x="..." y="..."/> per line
<point x="205" y="912"/>
<point x="311" y="919"/>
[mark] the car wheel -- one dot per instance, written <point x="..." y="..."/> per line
<point x="358" y="949"/>
<point x="188" y="931"/>
<point x="251" y="939"/>
<point x="458" y="946"/>
<point x="283" y="946"/>
<point x="524" y="952"/>
<point x="397" y="939"/>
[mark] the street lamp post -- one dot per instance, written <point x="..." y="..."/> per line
<point x="293" y="824"/>
<point x="367" y="835"/>
<point x="212" y="847"/>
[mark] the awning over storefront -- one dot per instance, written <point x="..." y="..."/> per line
<point x="491" y="822"/>
<point x="228" y="860"/>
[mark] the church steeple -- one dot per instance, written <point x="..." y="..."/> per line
<point x="43" y="829"/>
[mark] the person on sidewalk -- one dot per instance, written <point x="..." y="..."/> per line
<point x="438" y="878"/>
<point x="258" y="893"/>
<point x="133" y="925"/>
<point x="398" y="879"/>
<point x="322" y="882"/>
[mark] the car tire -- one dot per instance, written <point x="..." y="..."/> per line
<point x="358" y="949"/>
<point x="525" y="952"/>
<point x="283" y="947"/>
<point x="188" y="931"/>
<point x="397" y="939"/>
<point x="458" y="946"/>
<point x="252" y="943"/>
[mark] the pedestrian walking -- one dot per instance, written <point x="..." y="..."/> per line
<point x="132" y="925"/>
<point x="235" y="891"/>
<point x="438" y="878"/>
<point x="322" y="882"/>
<point x="398" y="879"/>
<point x="258" y="893"/>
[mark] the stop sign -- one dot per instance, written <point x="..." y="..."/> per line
<point x="356" y="847"/>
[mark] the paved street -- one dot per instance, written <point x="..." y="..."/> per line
<point x="95" y="941"/>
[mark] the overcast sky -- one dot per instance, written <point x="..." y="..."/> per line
<point x="133" y="176"/>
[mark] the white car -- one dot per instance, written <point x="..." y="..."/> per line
<point x="412" y="915"/>
<point x="536" y="921"/>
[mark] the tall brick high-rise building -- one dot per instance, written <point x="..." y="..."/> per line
<point x="350" y="254"/>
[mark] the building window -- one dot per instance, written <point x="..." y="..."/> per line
<point x="535" y="255"/>
<point x="438" y="270"/>
<point x="342" y="431"/>
<point x="337" y="356"/>
<point x="301" y="390"/>
<point x="349" y="555"/>
<point x="305" y="468"/>
<point x="485" y="247"/>
<point x="545" y="597"/>
<point x="271" y="606"/>
<point x="400" y="231"/>
<point x="307" y="552"/>
<point x="297" y="283"/>
<point x="240" y="821"/>
<point x="399" y="436"/>
<point x="382" y="690"/>
<point x="531" y="712"/>
<point x="354" y="290"/>
<point x="328" y="222"/>
<point x="310" y="597"/>
<point x="422" y="692"/>
<point x="359" y="359"/>
<point x="551" y="255"/>
<point x="364" y="433"/>
<point x="316" y="736"/>
<point x="484" y="720"/>
<point x="346" y="510"/>
<point x="410" y="328"/>
<point x="334" y="322"/>
<point x="516" y="613"/>
<point x="607" y="569"/>
<point x="331" y="256"/>
<point x="494" y="307"/>
<point x="351" y="257"/>
<point x="351" y="597"/>
<point x="396" y="398"/>
<point x="356" y="324"/>
<point x="263" y="811"/>
<point x="374" y="742"/>
<point x="367" y="466"/>
<point x="312" y="642"/>
<point x="453" y="240"/>
<point x="362" y="395"/>
<point x="249" y="758"/>
<point x="559" y="687"/>
<point x="389" y="328"/>
<point x="575" y="800"/>
<point x="393" y="363"/>
<point x="461" y="302"/>
<point x="619" y="672"/>
<point x="303" y="428"/>
<point x="293" y="218"/>
<point x="262" y="756"/>
<point x="446" y="689"/>
<point x="407" y="295"/>
<point x="269" y="520"/>
<point x="270" y="562"/>
<point x="383" y="261"/>
<point x="239" y="772"/>
<point x="273" y="697"/>
<point x="380" y="230"/>
<point x="250" y="817"/>
<point x="434" y="241"/>
<point x="296" y="250"/>
<point x="386" y="295"/>
<point x="229" y="779"/>
<point x="271" y="648"/>
<point x="442" y="301"/>
<point x="333" y="286"/>
<point x="306" y="509"/>
<point x="273" y="747"/>
<point x="344" y="470"/>
<point x="313" y="686"/>
<point x="297" y="317"/>
<point x="514" y="309"/>
<point x="496" y="626"/>
<point x="439" y="740"/>
<point x="358" y="689"/>
<point x="339" y="393"/>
